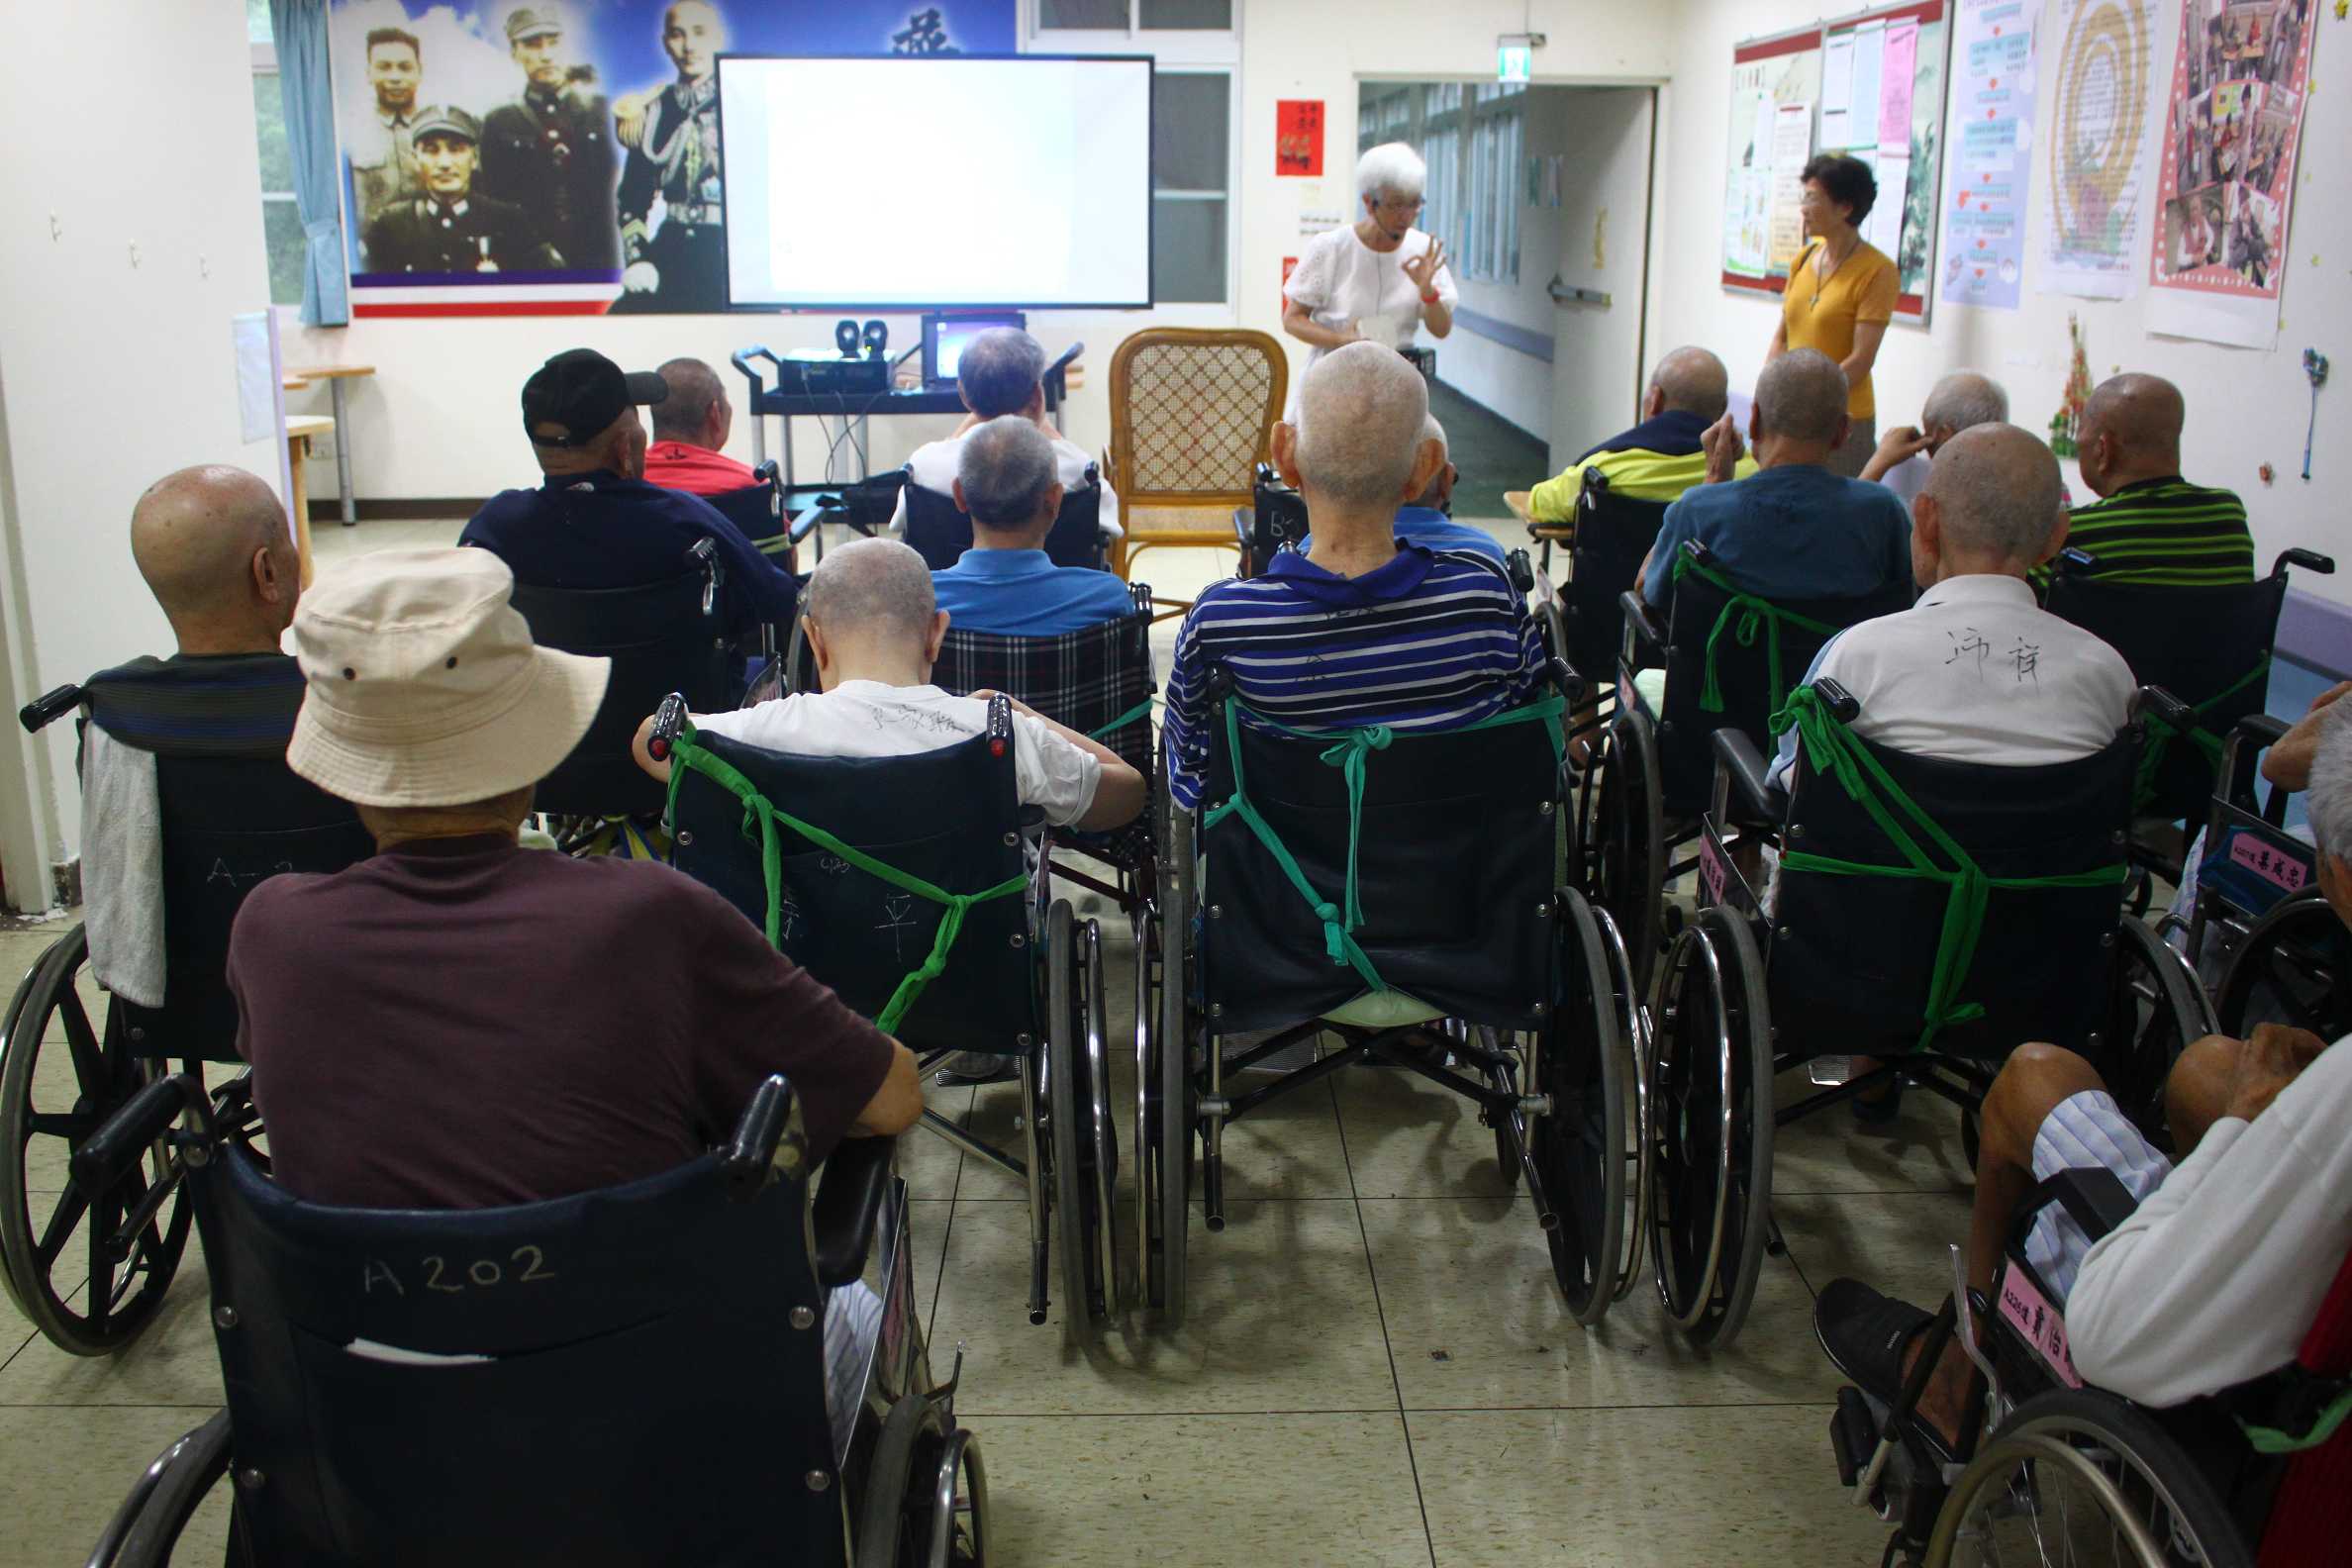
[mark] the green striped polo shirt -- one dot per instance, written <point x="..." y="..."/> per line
<point x="2165" y="534"/>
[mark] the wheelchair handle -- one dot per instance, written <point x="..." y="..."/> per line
<point x="2077" y="560"/>
<point x="1699" y="554"/>
<point x="48" y="708"/>
<point x="1841" y="702"/>
<point x="741" y="361"/>
<point x="111" y="1151"/>
<point x="751" y="1149"/>
<point x="999" y="724"/>
<point x="2309" y="560"/>
<point x="1522" y="571"/>
<point x="1565" y="680"/>
<point x="2169" y="708"/>
<point x="668" y="720"/>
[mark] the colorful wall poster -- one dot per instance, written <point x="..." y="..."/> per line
<point x="1886" y="107"/>
<point x="1299" y="136"/>
<point x="2226" y="171"/>
<point x="519" y="159"/>
<point x="1991" y="145"/>
<point x="1775" y="86"/>
<point x="2098" y="159"/>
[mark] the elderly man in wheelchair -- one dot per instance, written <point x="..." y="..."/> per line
<point x="2094" y="1262"/>
<point x="186" y="806"/>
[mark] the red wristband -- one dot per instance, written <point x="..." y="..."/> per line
<point x="1430" y="299"/>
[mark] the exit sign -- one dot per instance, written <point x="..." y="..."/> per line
<point x="1513" y="63"/>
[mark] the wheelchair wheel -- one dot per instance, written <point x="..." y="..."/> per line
<point x="2075" y="1476"/>
<point x="1579" y="1147"/>
<point x="131" y="1235"/>
<point x="926" y="1504"/>
<point x="2294" y="966"/>
<point x="1081" y="1211"/>
<point x="1710" y="1126"/>
<point x="2155" y="1007"/>
<point x="1624" y="836"/>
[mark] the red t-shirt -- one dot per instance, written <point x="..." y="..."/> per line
<point x="461" y="1023"/>
<point x="696" y="470"/>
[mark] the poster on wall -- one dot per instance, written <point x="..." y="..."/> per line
<point x="540" y="160"/>
<point x="2227" y="169"/>
<point x="1299" y="136"/>
<point x="1991" y="154"/>
<point x="2096" y="170"/>
<point x="1881" y="101"/>
<point x="1775" y="84"/>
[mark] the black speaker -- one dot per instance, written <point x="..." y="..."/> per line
<point x="877" y="338"/>
<point x="845" y="338"/>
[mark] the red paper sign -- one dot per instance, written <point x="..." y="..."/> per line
<point x="1299" y="136"/>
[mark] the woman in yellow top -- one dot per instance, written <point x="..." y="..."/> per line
<point x="1842" y="293"/>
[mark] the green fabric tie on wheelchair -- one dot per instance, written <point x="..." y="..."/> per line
<point x="1744" y="616"/>
<point x="687" y="756"/>
<point x="1348" y="752"/>
<point x="2161" y="735"/>
<point x="1141" y="709"/>
<point x="1831" y="750"/>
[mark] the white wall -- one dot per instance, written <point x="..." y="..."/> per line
<point x="134" y="235"/>
<point x="2245" y="408"/>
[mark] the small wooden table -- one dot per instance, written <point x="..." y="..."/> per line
<point x="334" y="375"/>
<point x="299" y="428"/>
<point x="1546" y="534"/>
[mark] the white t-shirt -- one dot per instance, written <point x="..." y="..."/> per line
<point x="1343" y="281"/>
<point x="933" y="466"/>
<point x="2215" y="1279"/>
<point x="866" y="718"/>
<point x="1977" y="672"/>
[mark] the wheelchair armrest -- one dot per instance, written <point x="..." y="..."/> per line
<point x="126" y="1137"/>
<point x="1737" y="758"/>
<point x="751" y="1149"/>
<point x="848" y="1202"/>
<point x="806" y="523"/>
<point x="1563" y="679"/>
<point x="2095" y="1196"/>
<point x="2263" y="730"/>
<point x="2168" y="708"/>
<point x="2309" y="560"/>
<point x="48" y="708"/>
<point x="1645" y="627"/>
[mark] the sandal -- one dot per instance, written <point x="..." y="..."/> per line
<point x="1865" y="1336"/>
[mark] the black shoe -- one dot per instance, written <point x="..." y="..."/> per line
<point x="1865" y="1336"/>
<point x="967" y="1068"/>
<point x="1880" y="1109"/>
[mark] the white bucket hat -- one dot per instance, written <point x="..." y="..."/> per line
<point x="425" y="686"/>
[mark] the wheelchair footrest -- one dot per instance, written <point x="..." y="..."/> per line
<point x="1853" y="1434"/>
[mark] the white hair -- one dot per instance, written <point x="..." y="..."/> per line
<point x="1005" y="466"/>
<point x="1391" y="170"/>
<point x="872" y="587"/>
<point x="1964" y="400"/>
<point x="1361" y="413"/>
<point x="2330" y="797"/>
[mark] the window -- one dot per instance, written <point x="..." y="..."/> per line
<point x="281" y="218"/>
<point x="1193" y="134"/>
<point x="1497" y="137"/>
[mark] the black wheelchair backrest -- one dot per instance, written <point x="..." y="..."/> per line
<point x="1852" y="954"/>
<point x="940" y="533"/>
<point x="752" y="509"/>
<point x="1743" y="667"/>
<point x="629" y="1376"/>
<point x="949" y="817"/>
<point x="1278" y="518"/>
<point x="661" y="638"/>
<point x="1612" y="535"/>
<point x="1456" y="866"/>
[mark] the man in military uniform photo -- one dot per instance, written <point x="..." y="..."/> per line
<point x="550" y="152"/>
<point x="673" y="151"/>
<point x="449" y="228"/>
<point x="383" y="162"/>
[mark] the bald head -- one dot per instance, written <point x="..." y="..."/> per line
<point x="1991" y="503"/>
<point x="2131" y="431"/>
<point x="695" y="411"/>
<point x="1360" y="413"/>
<point x="213" y="544"/>
<point x="1801" y="397"/>
<point x="872" y="591"/>
<point x="1691" y="381"/>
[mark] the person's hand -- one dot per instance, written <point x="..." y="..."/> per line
<point x="2264" y="1064"/>
<point x="1902" y="443"/>
<point x="640" y="277"/>
<point x="1724" y="450"/>
<point x="1353" y="333"/>
<point x="990" y="694"/>
<point x="1422" y="268"/>
<point x="2289" y="763"/>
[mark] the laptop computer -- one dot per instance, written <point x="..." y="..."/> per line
<point x="944" y="338"/>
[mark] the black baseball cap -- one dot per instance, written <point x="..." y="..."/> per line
<point x="583" y="392"/>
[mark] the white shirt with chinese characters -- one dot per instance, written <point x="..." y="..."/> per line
<point x="1977" y="672"/>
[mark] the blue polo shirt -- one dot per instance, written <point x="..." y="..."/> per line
<point x="1794" y="532"/>
<point x="601" y="531"/>
<point x="1433" y="530"/>
<point x="1023" y="593"/>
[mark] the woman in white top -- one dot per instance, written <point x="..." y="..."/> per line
<point x="1380" y="280"/>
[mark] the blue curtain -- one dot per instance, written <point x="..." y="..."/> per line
<point x="308" y="93"/>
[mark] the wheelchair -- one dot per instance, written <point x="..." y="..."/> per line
<point x="940" y="533"/>
<point x="1729" y="658"/>
<point x="2222" y="674"/>
<point x="2054" y="1471"/>
<point x="1097" y="681"/>
<point x="627" y="1376"/>
<point x="1403" y="892"/>
<point x="923" y="903"/>
<point x="1274" y="521"/>
<point x="1929" y="914"/>
<point x="2283" y="954"/>
<point x="661" y="638"/>
<point x="231" y="815"/>
<point x="761" y="512"/>
<point x="1584" y="617"/>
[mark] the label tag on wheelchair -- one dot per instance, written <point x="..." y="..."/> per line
<point x="2272" y="862"/>
<point x="2038" y="1324"/>
<point x="1713" y="874"/>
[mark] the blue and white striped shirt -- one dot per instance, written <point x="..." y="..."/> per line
<point x="1430" y="640"/>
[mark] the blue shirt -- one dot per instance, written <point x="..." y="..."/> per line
<point x="1423" y="641"/>
<point x="1433" y="530"/>
<point x="1794" y="532"/>
<point x="1023" y="593"/>
<point x="601" y="531"/>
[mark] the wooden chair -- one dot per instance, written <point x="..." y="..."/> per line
<point x="1192" y="415"/>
